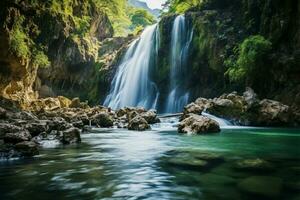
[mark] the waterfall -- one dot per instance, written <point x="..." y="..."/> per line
<point x="180" y="41"/>
<point x="131" y="85"/>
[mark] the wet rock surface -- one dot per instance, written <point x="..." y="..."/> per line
<point x="246" y="109"/>
<point x="136" y="118"/>
<point x="62" y="121"/>
<point x="196" y="124"/>
<point x="138" y="123"/>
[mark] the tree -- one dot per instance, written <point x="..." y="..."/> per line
<point x="141" y="17"/>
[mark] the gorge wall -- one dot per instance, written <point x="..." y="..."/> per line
<point x="220" y="28"/>
<point x="54" y="48"/>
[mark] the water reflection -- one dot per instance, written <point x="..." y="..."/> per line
<point x="157" y="164"/>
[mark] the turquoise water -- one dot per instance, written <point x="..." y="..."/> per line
<point x="122" y="164"/>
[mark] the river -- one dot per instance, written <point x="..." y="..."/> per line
<point x="122" y="164"/>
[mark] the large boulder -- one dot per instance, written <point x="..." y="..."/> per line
<point x="37" y="127"/>
<point x="229" y="106"/>
<point x="192" y="108"/>
<point x="58" y="123"/>
<point x="17" y="137"/>
<point x="76" y="103"/>
<point x="150" y="116"/>
<point x="103" y="119"/>
<point x="64" y="101"/>
<point x="71" y="136"/>
<point x="131" y="114"/>
<point x="198" y="124"/>
<point x="51" y="103"/>
<point x="27" y="148"/>
<point x="138" y="123"/>
<point x="271" y="113"/>
<point x="8" y="128"/>
<point x="247" y="109"/>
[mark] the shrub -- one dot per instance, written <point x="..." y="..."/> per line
<point x="19" y="41"/>
<point x="251" y="55"/>
<point x="82" y="25"/>
<point x="141" y="17"/>
<point x="40" y="59"/>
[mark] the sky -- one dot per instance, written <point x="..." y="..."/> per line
<point x="154" y="3"/>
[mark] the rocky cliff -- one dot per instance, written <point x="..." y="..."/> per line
<point x="54" y="48"/>
<point x="222" y="29"/>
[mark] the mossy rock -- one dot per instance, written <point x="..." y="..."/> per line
<point x="257" y="165"/>
<point x="188" y="163"/>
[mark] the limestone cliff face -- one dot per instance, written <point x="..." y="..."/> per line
<point x="17" y="74"/>
<point x="220" y="26"/>
<point x="69" y="40"/>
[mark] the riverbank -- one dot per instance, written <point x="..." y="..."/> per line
<point x="62" y="121"/>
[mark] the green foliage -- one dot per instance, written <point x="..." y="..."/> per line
<point x="180" y="6"/>
<point x="40" y="59"/>
<point x="82" y="24"/>
<point x="19" y="39"/>
<point x="61" y="7"/>
<point x="141" y="17"/>
<point x="117" y="11"/>
<point x="23" y="46"/>
<point x="251" y="54"/>
<point x="138" y="29"/>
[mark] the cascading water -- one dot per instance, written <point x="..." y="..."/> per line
<point x="131" y="85"/>
<point x="181" y="38"/>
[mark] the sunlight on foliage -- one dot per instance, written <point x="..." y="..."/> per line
<point x="180" y="6"/>
<point x="82" y="24"/>
<point x="140" y="17"/>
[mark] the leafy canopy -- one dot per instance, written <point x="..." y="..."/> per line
<point x="180" y="6"/>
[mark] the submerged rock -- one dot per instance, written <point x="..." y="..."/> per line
<point x="262" y="186"/>
<point x="138" y="123"/>
<point x="192" y="159"/>
<point x="254" y="165"/>
<point x="210" y="179"/>
<point x="198" y="124"/>
<point x="208" y="156"/>
<point x="186" y="162"/>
